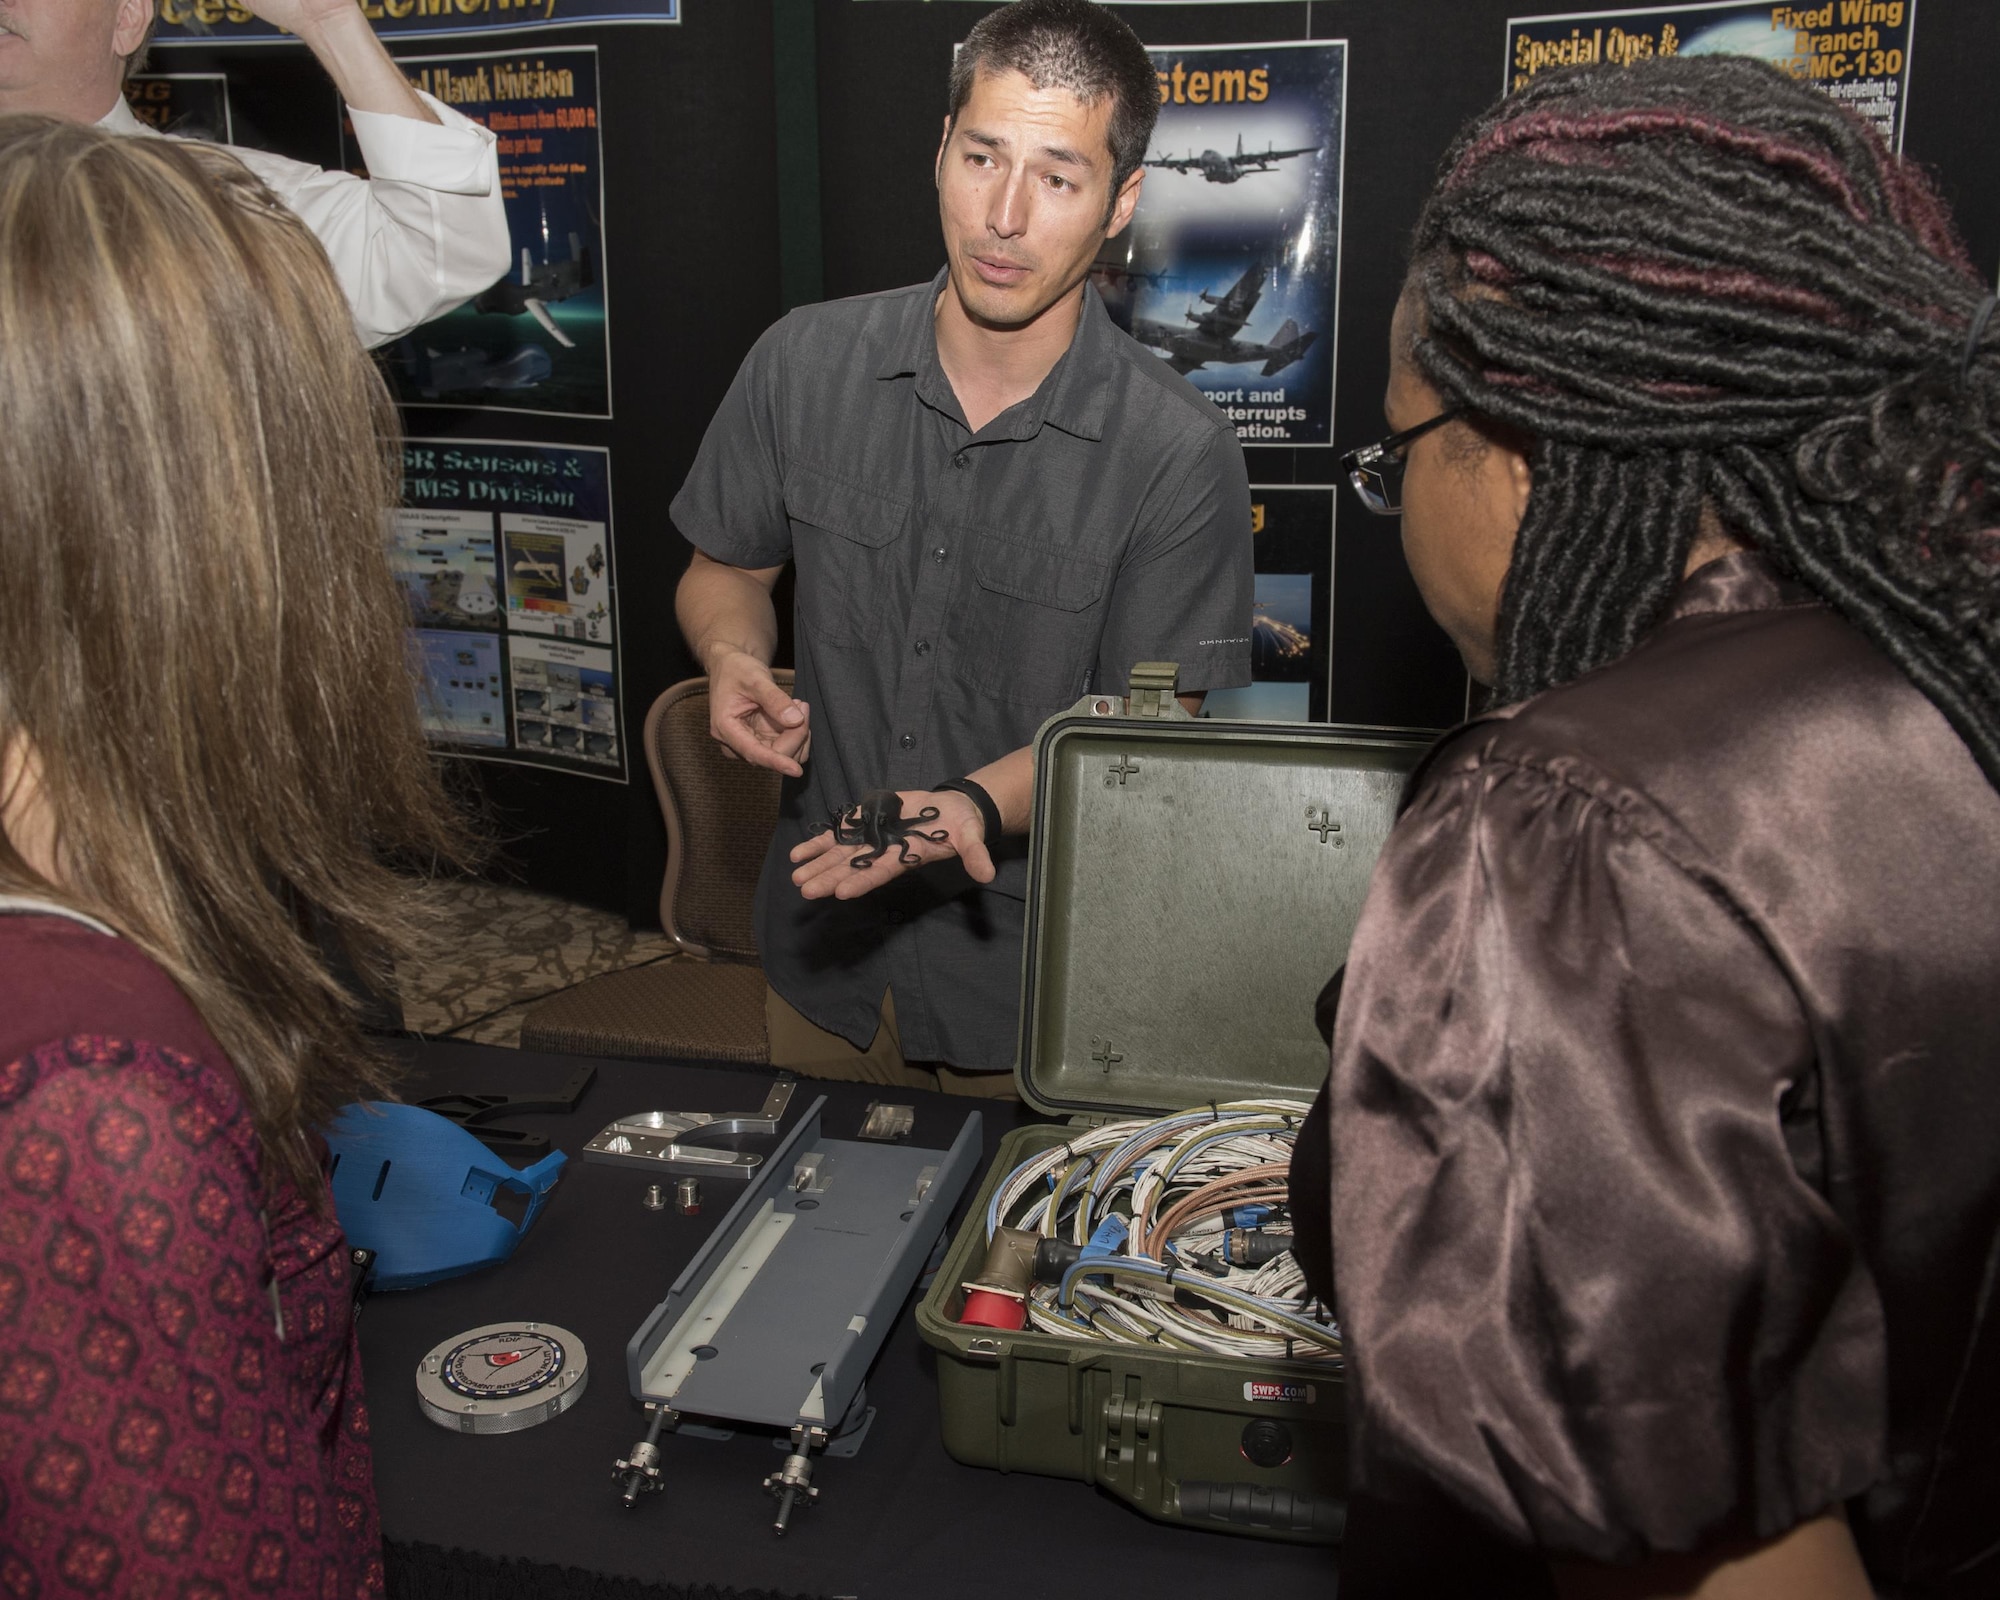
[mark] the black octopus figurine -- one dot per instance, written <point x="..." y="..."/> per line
<point x="877" y="821"/>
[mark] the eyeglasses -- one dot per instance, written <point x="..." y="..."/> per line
<point x="1376" y="470"/>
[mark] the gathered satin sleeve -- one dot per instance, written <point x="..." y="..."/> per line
<point x="1586" y="1292"/>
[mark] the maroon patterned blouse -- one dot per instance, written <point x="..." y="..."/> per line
<point x="180" y="1390"/>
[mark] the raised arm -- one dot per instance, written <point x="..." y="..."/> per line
<point x="427" y="229"/>
<point x="346" y="46"/>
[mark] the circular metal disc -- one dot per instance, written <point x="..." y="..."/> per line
<point x="503" y="1377"/>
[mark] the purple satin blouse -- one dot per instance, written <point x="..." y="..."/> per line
<point x="1665" y="1108"/>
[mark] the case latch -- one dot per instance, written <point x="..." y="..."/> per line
<point x="1153" y="685"/>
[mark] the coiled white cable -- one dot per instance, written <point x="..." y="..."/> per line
<point x="1172" y="1181"/>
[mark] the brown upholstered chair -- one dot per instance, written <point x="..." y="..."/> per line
<point x="705" y="1003"/>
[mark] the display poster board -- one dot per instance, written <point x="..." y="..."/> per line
<point x="195" y="104"/>
<point x="230" y="21"/>
<point x="1856" y="51"/>
<point x="539" y="340"/>
<point x="1230" y="270"/>
<point x="504" y="552"/>
<point x="679" y="181"/>
<point x="1291" y="621"/>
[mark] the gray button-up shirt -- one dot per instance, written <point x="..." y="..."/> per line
<point x="954" y="591"/>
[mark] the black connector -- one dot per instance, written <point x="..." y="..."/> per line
<point x="1203" y="1261"/>
<point x="1252" y="1247"/>
<point x="1054" y="1257"/>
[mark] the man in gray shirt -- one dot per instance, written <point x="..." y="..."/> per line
<point x="997" y="501"/>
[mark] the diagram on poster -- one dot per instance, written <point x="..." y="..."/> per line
<point x="506" y="558"/>
<point x="538" y="340"/>
<point x="464" y="699"/>
<point x="444" y="561"/>
<point x="1230" y="270"/>
<point x="1291" y="619"/>
<point x="1856" y="51"/>
<point x="195" y="104"/>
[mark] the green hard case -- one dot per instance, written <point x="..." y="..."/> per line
<point x="1192" y="885"/>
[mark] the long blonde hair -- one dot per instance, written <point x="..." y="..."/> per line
<point x="202" y="649"/>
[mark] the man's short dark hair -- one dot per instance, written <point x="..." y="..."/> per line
<point x="1072" y="45"/>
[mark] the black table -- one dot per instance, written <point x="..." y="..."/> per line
<point x="899" y="1519"/>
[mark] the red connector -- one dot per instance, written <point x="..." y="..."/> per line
<point x="998" y="1297"/>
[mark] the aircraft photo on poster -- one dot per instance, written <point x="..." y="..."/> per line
<point x="1854" y="51"/>
<point x="1230" y="271"/>
<point x="538" y="340"/>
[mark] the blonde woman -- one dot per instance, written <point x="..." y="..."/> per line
<point x="206" y="723"/>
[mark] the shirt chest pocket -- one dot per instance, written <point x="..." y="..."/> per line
<point x="844" y="541"/>
<point x="1028" y="623"/>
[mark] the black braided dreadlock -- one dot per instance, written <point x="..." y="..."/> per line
<point x="1697" y="285"/>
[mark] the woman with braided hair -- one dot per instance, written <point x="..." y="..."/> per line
<point x="1665" y="1104"/>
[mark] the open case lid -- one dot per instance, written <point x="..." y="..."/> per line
<point x="1192" y="885"/>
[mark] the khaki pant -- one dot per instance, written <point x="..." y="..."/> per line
<point x="801" y="1046"/>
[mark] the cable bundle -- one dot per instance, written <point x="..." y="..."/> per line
<point x="1157" y="1231"/>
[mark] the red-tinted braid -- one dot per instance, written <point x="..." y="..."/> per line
<point x="1722" y="283"/>
<point x="1558" y="129"/>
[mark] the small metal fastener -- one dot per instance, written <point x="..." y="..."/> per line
<point x="655" y="1198"/>
<point x="687" y="1197"/>
<point x="887" y="1122"/>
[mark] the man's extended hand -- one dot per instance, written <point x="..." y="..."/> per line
<point x="299" y="16"/>
<point x="824" y="868"/>
<point x="751" y="717"/>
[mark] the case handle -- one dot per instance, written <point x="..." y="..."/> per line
<point x="1254" y="1505"/>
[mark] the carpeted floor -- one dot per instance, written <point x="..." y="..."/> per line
<point x="499" y="950"/>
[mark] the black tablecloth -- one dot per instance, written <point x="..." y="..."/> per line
<point x="899" y="1519"/>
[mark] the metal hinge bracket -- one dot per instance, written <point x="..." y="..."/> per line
<point x="1153" y="684"/>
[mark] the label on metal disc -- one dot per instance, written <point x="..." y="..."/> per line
<point x="503" y="1377"/>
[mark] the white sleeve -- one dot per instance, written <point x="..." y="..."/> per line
<point x="423" y="233"/>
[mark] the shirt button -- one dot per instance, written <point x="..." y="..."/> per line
<point x="909" y="741"/>
<point x="961" y="459"/>
<point x="938" y="553"/>
<point x="898" y="917"/>
<point x="923" y="647"/>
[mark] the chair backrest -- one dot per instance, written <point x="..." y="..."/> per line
<point x="720" y="815"/>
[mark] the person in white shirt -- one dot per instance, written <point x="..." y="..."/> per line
<point x="424" y="233"/>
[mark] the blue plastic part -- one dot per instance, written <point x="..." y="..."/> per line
<point x="1108" y="1240"/>
<point x="418" y="1190"/>
<point x="1247" y="1216"/>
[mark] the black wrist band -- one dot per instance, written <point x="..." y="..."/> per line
<point x="989" y="813"/>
